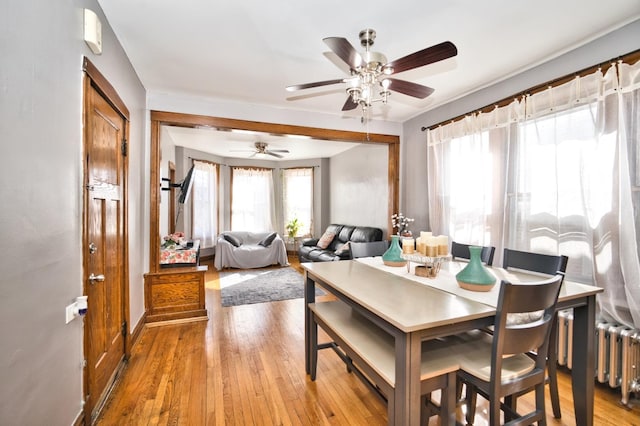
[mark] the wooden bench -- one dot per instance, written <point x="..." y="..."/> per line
<point x="369" y="352"/>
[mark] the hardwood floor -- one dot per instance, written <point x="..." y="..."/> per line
<point x="245" y="366"/>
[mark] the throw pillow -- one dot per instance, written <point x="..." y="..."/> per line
<point x="343" y="249"/>
<point x="235" y="241"/>
<point x="266" y="241"/>
<point x="326" y="239"/>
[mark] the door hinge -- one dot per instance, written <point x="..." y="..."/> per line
<point x="124" y="329"/>
<point x="123" y="147"/>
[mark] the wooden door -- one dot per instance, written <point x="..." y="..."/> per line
<point x="104" y="247"/>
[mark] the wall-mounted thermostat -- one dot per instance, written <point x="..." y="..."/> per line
<point x="93" y="31"/>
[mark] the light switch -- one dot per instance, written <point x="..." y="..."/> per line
<point x="70" y="313"/>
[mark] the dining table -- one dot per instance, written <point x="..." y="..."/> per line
<point x="414" y="309"/>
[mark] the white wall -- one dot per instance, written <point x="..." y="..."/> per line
<point x="359" y="186"/>
<point x="413" y="190"/>
<point x="41" y="188"/>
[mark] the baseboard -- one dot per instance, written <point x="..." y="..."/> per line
<point x="79" y="420"/>
<point x="176" y="321"/>
<point x="135" y="334"/>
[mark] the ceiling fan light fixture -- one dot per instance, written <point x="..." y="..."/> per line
<point x="367" y="83"/>
<point x="355" y="93"/>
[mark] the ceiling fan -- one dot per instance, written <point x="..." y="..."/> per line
<point x="263" y="148"/>
<point x="369" y="80"/>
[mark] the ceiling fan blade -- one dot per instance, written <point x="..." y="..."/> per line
<point x="349" y="104"/>
<point x="316" y="84"/>
<point x="286" y="151"/>
<point x="409" y="88"/>
<point x="273" y="154"/>
<point x="344" y="50"/>
<point x="423" y="57"/>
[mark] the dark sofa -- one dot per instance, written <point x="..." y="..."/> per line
<point x="310" y="252"/>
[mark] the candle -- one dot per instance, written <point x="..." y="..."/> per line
<point x="421" y="242"/>
<point x="408" y="245"/>
<point x="424" y="235"/>
<point x="443" y="245"/>
<point x="432" y="247"/>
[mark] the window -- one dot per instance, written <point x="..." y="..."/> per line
<point x="564" y="180"/>
<point x="297" y="198"/>
<point x="466" y="186"/>
<point x="554" y="173"/>
<point x="252" y="206"/>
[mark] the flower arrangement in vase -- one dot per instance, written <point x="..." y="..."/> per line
<point x="401" y="223"/>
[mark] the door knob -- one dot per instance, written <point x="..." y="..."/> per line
<point x="93" y="278"/>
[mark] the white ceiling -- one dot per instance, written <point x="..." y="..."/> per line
<point x="242" y="144"/>
<point x="250" y="50"/>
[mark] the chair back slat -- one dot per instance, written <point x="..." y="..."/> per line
<point x="461" y="251"/>
<point x="527" y="298"/>
<point x="535" y="262"/>
<point x="518" y="341"/>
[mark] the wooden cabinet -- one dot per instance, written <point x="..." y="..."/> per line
<point x="175" y="293"/>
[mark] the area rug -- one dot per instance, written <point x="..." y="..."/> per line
<point x="245" y="287"/>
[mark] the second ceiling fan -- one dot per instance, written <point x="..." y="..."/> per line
<point x="263" y="148"/>
<point x="369" y="80"/>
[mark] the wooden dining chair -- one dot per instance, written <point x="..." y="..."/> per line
<point x="549" y="265"/>
<point x="461" y="251"/>
<point x="499" y="365"/>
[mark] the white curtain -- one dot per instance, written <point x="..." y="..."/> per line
<point x="467" y="166"/>
<point x="205" y="203"/>
<point x="629" y="208"/>
<point x="252" y="200"/>
<point x="564" y="165"/>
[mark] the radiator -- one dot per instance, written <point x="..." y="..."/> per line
<point x="617" y="353"/>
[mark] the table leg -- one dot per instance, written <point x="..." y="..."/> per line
<point x="407" y="386"/>
<point x="309" y="297"/>
<point x="583" y="368"/>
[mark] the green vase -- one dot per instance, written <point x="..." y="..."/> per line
<point x="475" y="276"/>
<point x="392" y="257"/>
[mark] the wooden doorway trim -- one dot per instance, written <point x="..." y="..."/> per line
<point x="160" y="118"/>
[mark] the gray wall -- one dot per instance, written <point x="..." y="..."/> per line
<point x="41" y="185"/>
<point x="414" y="141"/>
<point x="359" y="187"/>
